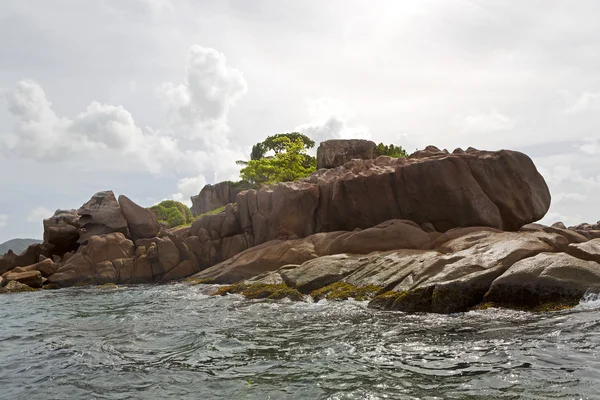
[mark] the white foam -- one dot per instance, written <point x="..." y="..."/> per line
<point x="589" y="301"/>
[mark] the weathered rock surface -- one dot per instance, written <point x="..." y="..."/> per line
<point x="454" y="277"/>
<point x="591" y="231"/>
<point x="46" y="267"/>
<point x="61" y="231"/>
<point x="15" y="287"/>
<point x="141" y="222"/>
<point x="30" y="278"/>
<point x="434" y="189"/>
<point x="336" y="152"/>
<point x="435" y="231"/>
<point x="218" y="195"/>
<point x="101" y="215"/>
<point x="82" y="267"/>
<point x="272" y="255"/>
<point x="545" y="278"/>
<point x="589" y="251"/>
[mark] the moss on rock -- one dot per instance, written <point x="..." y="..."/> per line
<point x="544" y="307"/>
<point x="198" y="281"/>
<point x="344" y="291"/>
<point x="107" y="286"/>
<point x="16" y="287"/>
<point x="260" y="291"/>
<point x="447" y="299"/>
<point x="414" y="300"/>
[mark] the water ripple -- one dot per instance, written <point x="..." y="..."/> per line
<point x="156" y="342"/>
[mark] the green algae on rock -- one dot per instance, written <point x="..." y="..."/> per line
<point x="345" y="291"/>
<point x="260" y="291"/>
<point x="16" y="287"/>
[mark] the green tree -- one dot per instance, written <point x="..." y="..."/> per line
<point x="259" y="150"/>
<point x="172" y="213"/>
<point x="289" y="163"/>
<point x="391" y="151"/>
<point x="273" y="142"/>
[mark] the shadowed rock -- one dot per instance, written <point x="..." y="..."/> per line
<point x="336" y="152"/>
<point x="141" y="222"/>
<point x="101" y="215"/>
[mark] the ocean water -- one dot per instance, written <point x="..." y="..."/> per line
<point x="176" y="342"/>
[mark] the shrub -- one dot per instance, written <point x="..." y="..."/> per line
<point x="390" y="150"/>
<point x="172" y="213"/>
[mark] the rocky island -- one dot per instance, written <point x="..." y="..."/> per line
<point x="433" y="232"/>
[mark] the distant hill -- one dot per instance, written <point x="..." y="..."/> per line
<point x="17" y="245"/>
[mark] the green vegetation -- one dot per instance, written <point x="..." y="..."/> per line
<point x="211" y="212"/>
<point x="391" y="151"/>
<point x="51" y="286"/>
<point x="172" y="213"/>
<point x="260" y="291"/>
<point x="290" y="162"/>
<point x="344" y="291"/>
<point x="198" y="281"/>
<point x="544" y="307"/>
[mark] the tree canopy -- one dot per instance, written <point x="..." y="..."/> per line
<point x="391" y="151"/>
<point x="272" y="143"/>
<point x="172" y="213"/>
<point x="290" y="162"/>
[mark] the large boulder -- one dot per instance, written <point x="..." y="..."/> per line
<point x="545" y="278"/>
<point x="82" y="266"/>
<point x="30" y="278"/>
<point x="141" y="222"/>
<point x="433" y="189"/>
<point x="218" y="195"/>
<point x="336" y="152"/>
<point x="101" y="215"/>
<point x="589" y="251"/>
<point x="15" y="287"/>
<point x="61" y="231"/>
<point x="426" y="190"/>
<point x="46" y="267"/>
<point x="591" y="231"/>
<point x="272" y="255"/>
<point x="263" y="258"/>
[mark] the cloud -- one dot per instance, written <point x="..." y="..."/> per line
<point x="568" y="197"/>
<point x="587" y="101"/>
<point x="331" y="118"/>
<point x="42" y="135"/>
<point x="488" y="122"/>
<point x="38" y="214"/>
<point x="3" y="220"/>
<point x="591" y="147"/>
<point x="553" y="217"/>
<point x="210" y="89"/>
<point x="189" y="187"/>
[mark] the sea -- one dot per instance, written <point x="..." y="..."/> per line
<point x="179" y="342"/>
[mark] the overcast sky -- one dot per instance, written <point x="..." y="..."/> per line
<point x="155" y="98"/>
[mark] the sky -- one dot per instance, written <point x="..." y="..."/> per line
<point x="156" y="98"/>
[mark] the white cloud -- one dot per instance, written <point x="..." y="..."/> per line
<point x="587" y="101"/>
<point x="331" y="118"/>
<point x="488" y="122"/>
<point x="3" y="220"/>
<point x="39" y="214"/>
<point x="568" y="197"/>
<point x="553" y="217"/>
<point x="591" y="146"/>
<point x="189" y="187"/>
<point x="210" y="89"/>
<point x="41" y="134"/>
